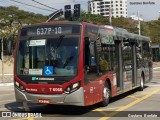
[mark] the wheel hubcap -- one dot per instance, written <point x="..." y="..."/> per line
<point x="142" y="82"/>
<point x="106" y="93"/>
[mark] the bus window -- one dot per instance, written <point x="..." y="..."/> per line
<point x="31" y="56"/>
<point x="90" y="61"/>
<point x="92" y="54"/>
<point x="107" y="58"/>
<point x="138" y="54"/>
<point x="127" y="63"/>
<point x="87" y="52"/>
<point x="145" y="49"/>
<point x="60" y="55"/>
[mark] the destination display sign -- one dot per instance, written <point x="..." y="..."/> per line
<point x="52" y="30"/>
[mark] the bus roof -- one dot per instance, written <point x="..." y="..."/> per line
<point x="54" y="22"/>
<point x="120" y="32"/>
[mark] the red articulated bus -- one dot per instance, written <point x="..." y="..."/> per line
<point x="77" y="63"/>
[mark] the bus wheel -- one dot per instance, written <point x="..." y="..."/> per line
<point x="106" y="95"/>
<point x="141" y="83"/>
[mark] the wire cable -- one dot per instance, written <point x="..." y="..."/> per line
<point x="31" y="5"/>
<point x="11" y="3"/>
<point x="44" y="5"/>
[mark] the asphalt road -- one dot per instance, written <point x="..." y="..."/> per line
<point x="131" y="105"/>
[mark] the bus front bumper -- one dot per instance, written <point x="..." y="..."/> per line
<point x="75" y="98"/>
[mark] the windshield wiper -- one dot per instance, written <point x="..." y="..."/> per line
<point x="67" y="61"/>
<point x="60" y="41"/>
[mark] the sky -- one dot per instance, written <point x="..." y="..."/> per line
<point x="147" y="11"/>
<point x="57" y="4"/>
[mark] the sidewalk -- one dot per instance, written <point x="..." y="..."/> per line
<point x="7" y="70"/>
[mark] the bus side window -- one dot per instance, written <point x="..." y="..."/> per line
<point x="87" y="51"/>
<point x="92" y="54"/>
<point x="90" y="62"/>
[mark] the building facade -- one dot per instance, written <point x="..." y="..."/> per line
<point x="115" y="8"/>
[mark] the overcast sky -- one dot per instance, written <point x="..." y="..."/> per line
<point x="147" y="12"/>
<point x="58" y="4"/>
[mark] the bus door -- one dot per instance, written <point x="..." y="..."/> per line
<point x="134" y="62"/>
<point x="91" y="78"/>
<point x="119" y="69"/>
<point x="125" y="64"/>
<point x="129" y="64"/>
<point x="147" y="64"/>
<point x="90" y="61"/>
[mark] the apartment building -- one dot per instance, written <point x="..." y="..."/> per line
<point x="115" y="8"/>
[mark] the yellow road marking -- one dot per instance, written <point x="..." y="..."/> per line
<point x="102" y="109"/>
<point x="131" y="96"/>
<point x="107" y="116"/>
<point x="141" y="95"/>
<point x="29" y="118"/>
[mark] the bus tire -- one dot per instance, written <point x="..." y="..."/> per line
<point x="141" y="83"/>
<point x="106" y="95"/>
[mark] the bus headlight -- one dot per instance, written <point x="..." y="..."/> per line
<point x="19" y="86"/>
<point x="72" y="88"/>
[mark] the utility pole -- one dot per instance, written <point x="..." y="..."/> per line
<point x="139" y="23"/>
<point x="110" y="15"/>
<point x="2" y="59"/>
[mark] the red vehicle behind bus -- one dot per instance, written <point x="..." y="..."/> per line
<point x="73" y="63"/>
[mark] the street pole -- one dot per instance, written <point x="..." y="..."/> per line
<point x="2" y="59"/>
<point x="139" y="24"/>
<point x="110" y="15"/>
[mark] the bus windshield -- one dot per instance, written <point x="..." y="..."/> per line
<point x="52" y="56"/>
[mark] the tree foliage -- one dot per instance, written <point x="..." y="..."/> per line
<point x="12" y="19"/>
<point x="150" y="28"/>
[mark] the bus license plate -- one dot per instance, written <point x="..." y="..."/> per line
<point x="44" y="101"/>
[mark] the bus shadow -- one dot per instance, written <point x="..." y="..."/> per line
<point x="62" y="110"/>
<point x="121" y="96"/>
<point x="14" y="107"/>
